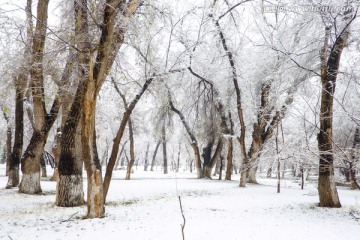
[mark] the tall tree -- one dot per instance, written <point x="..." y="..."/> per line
<point x="20" y="82"/>
<point x="330" y="62"/>
<point x="93" y="72"/>
<point x="30" y="162"/>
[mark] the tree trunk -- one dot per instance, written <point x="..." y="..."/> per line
<point x="43" y="165"/>
<point x="352" y="165"/>
<point x="56" y="153"/>
<point x="154" y="155"/>
<point x="229" y="158"/>
<point x="302" y="177"/>
<point x="178" y="160"/>
<point x="329" y="68"/>
<point x="146" y="163"/>
<point x="238" y="103"/>
<point x="30" y="162"/>
<point x="194" y="143"/>
<point x="8" y="144"/>
<point x="209" y="162"/>
<point x="132" y="153"/>
<point x="163" y="134"/>
<point x="69" y="190"/>
<point x="119" y="134"/>
<point x="221" y="167"/>
<point x="120" y="160"/>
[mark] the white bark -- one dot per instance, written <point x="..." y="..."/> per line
<point x="69" y="191"/>
<point x="30" y="183"/>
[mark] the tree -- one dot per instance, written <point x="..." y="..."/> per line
<point x="93" y="72"/>
<point x="330" y="62"/>
<point x="30" y="162"/>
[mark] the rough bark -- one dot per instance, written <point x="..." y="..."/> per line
<point x="70" y="163"/>
<point x="328" y="195"/>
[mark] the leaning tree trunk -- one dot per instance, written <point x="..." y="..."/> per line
<point x="194" y="143"/>
<point x="132" y="152"/>
<point x="154" y="155"/>
<point x="329" y="68"/>
<point x="119" y="134"/>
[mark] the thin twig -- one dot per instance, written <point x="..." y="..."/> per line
<point x="184" y="220"/>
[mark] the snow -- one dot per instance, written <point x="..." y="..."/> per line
<point x="147" y="207"/>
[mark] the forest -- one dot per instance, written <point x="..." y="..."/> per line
<point x="252" y="92"/>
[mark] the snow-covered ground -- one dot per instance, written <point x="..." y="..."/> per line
<point x="147" y="207"/>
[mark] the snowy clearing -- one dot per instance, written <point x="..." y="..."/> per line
<point x="147" y="207"/>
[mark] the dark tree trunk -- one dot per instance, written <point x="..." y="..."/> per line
<point x="221" y="167"/>
<point x="194" y="143"/>
<point x="13" y="180"/>
<point x="209" y="162"/>
<point x="120" y="159"/>
<point x="132" y="152"/>
<point x="302" y="177"/>
<point x="231" y="60"/>
<point x="69" y="190"/>
<point x="119" y="134"/>
<point x="229" y="158"/>
<point x="178" y="160"/>
<point x="146" y="163"/>
<point x="43" y="166"/>
<point x="163" y="135"/>
<point x="154" y="155"/>
<point x="8" y="142"/>
<point x="354" y="159"/>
